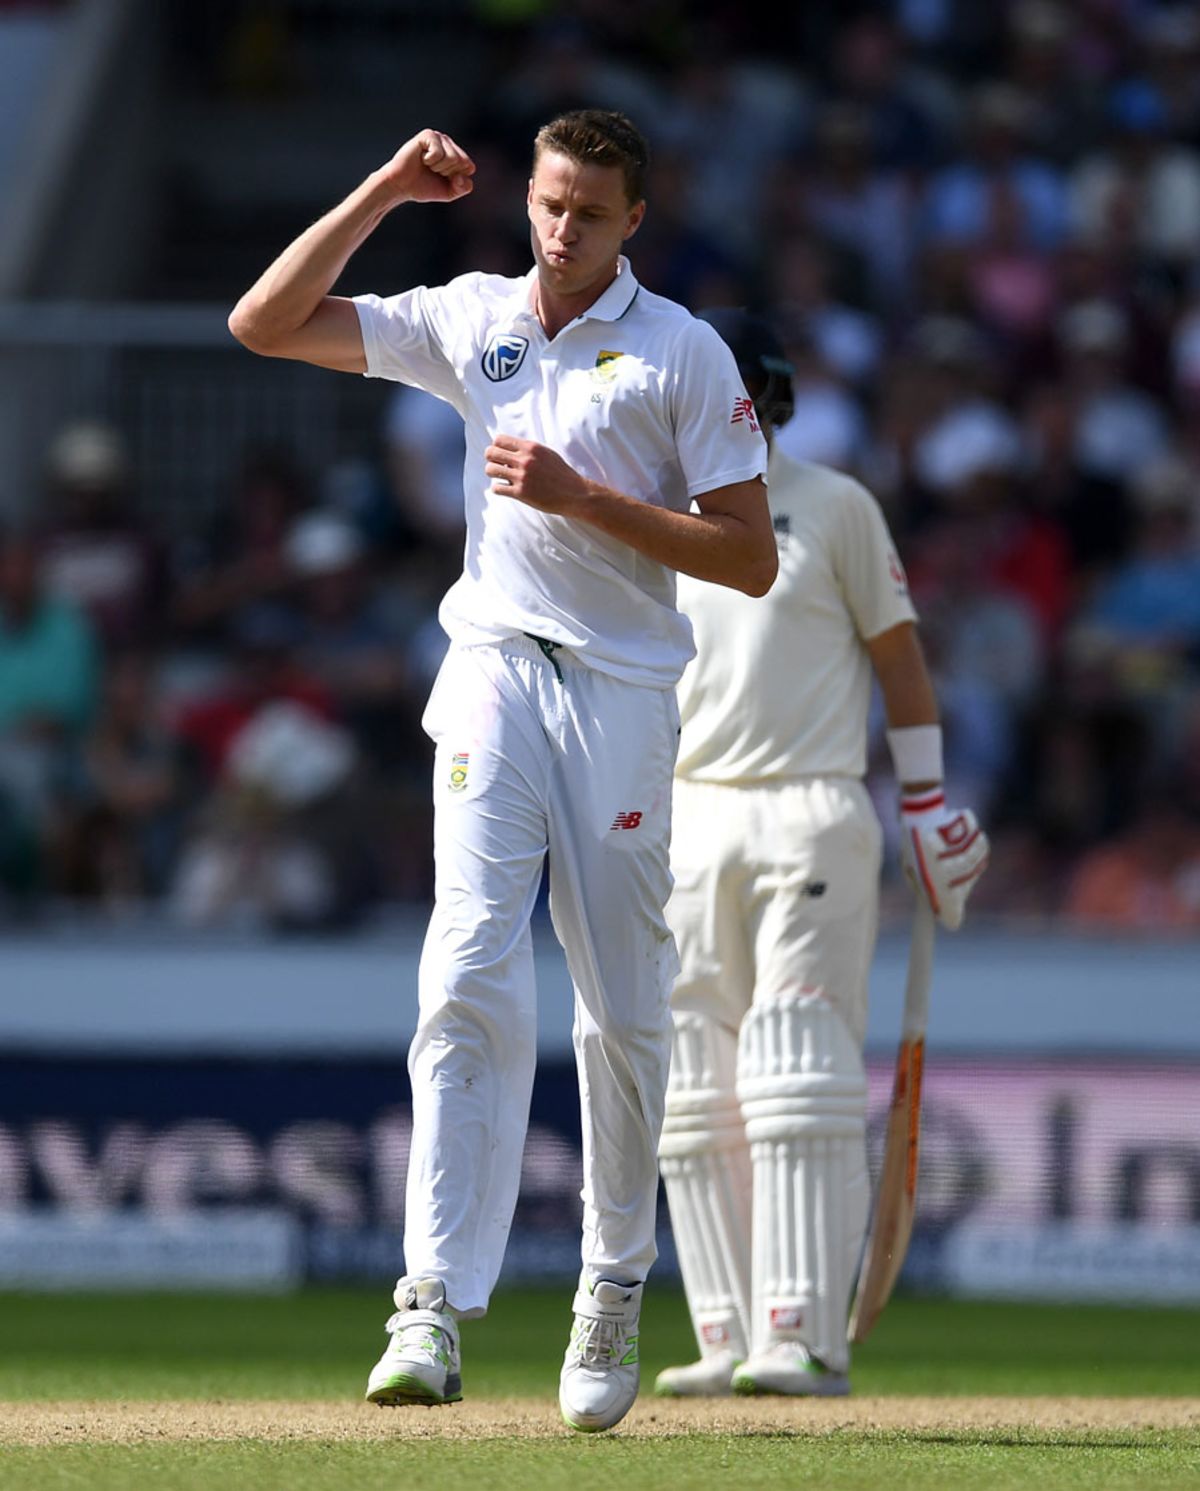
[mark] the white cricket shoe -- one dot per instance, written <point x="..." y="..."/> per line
<point x="599" y="1378"/>
<point x="422" y="1363"/>
<point x="791" y="1370"/>
<point x="710" y="1377"/>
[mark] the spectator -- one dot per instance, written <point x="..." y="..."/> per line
<point x="675" y="251"/>
<point x="1170" y="49"/>
<point x="969" y="430"/>
<point x="350" y="643"/>
<point x="866" y="212"/>
<point x="1059" y="107"/>
<point x="1148" y="613"/>
<point x="735" y="121"/>
<point x="241" y="561"/>
<point x="263" y="670"/>
<point x="1094" y="513"/>
<point x="47" y="694"/>
<point x="1013" y="285"/>
<point x="962" y="197"/>
<point x="828" y="425"/>
<point x="1143" y="187"/>
<point x="425" y="449"/>
<point x="1146" y="881"/>
<point x="902" y="118"/>
<point x="284" y="843"/>
<point x="123" y="809"/>
<point x="849" y="341"/>
<point x="95" y="552"/>
<point x="1119" y="429"/>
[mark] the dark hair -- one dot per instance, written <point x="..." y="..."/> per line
<point x="598" y="137"/>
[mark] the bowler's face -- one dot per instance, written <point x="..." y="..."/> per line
<point x="580" y="217"/>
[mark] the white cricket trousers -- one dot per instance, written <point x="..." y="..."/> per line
<point x="579" y="765"/>
<point x="764" y="1154"/>
<point x="776" y="890"/>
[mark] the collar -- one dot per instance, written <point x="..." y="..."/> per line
<point x="611" y="305"/>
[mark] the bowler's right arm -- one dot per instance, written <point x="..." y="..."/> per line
<point x="289" y="312"/>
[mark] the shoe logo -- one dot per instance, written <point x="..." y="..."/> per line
<point x="814" y="889"/>
<point x="627" y="820"/>
<point x="631" y="1354"/>
<point x="787" y="1318"/>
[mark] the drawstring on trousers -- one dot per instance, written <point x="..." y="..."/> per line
<point x="548" y="650"/>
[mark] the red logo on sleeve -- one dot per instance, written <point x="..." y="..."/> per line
<point x="896" y="569"/>
<point x="627" y="820"/>
<point x="743" y="413"/>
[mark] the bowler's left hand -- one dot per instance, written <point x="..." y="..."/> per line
<point x="533" y="474"/>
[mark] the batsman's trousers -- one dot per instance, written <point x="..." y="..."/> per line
<point x="537" y="752"/>
<point x="776" y="890"/>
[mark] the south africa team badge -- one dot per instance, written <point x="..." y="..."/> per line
<point x="606" y="369"/>
<point x="458" y="771"/>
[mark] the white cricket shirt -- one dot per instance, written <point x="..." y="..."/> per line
<point x="635" y="393"/>
<point x="780" y="687"/>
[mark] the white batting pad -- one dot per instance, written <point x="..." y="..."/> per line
<point x="705" y="1163"/>
<point x="803" y="1094"/>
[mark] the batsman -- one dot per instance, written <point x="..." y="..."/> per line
<point x="776" y="855"/>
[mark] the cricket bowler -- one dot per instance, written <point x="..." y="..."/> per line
<point x="597" y="413"/>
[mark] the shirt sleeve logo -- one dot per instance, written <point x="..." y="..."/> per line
<point x="743" y="413"/>
<point x="896" y="570"/>
<point x="503" y="356"/>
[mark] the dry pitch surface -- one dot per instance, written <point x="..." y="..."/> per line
<point x="46" y="1424"/>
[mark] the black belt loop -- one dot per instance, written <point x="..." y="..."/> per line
<point x="548" y="650"/>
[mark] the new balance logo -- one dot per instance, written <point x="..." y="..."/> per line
<point x="743" y="413"/>
<point x="787" y="1318"/>
<point x="627" y="820"/>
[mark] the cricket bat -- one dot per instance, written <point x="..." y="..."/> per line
<point x="896" y="1194"/>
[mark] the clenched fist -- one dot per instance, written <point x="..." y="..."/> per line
<point x="533" y="474"/>
<point x="429" y="168"/>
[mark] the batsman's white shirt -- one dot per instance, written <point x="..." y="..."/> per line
<point x="635" y="394"/>
<point x="780" y="687"/>
<point x="776" y="883"/>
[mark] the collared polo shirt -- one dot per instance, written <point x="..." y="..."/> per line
<point x="780" y="687"/>
<point x="635" y="394"/>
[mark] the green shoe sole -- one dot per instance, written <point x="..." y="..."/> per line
<point x="403" y="1389"/>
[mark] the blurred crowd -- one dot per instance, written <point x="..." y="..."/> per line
<point x="979" y="236"/>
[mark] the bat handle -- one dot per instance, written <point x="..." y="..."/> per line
<point x="920" y="972"/>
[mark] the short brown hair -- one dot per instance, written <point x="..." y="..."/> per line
<point x="598" y="137"/>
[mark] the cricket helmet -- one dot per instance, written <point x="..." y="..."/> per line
<point x="761" y="360"/>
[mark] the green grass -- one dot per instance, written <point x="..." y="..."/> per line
<point x="863" y="1462"/>
<point x="320" y="1344"/>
